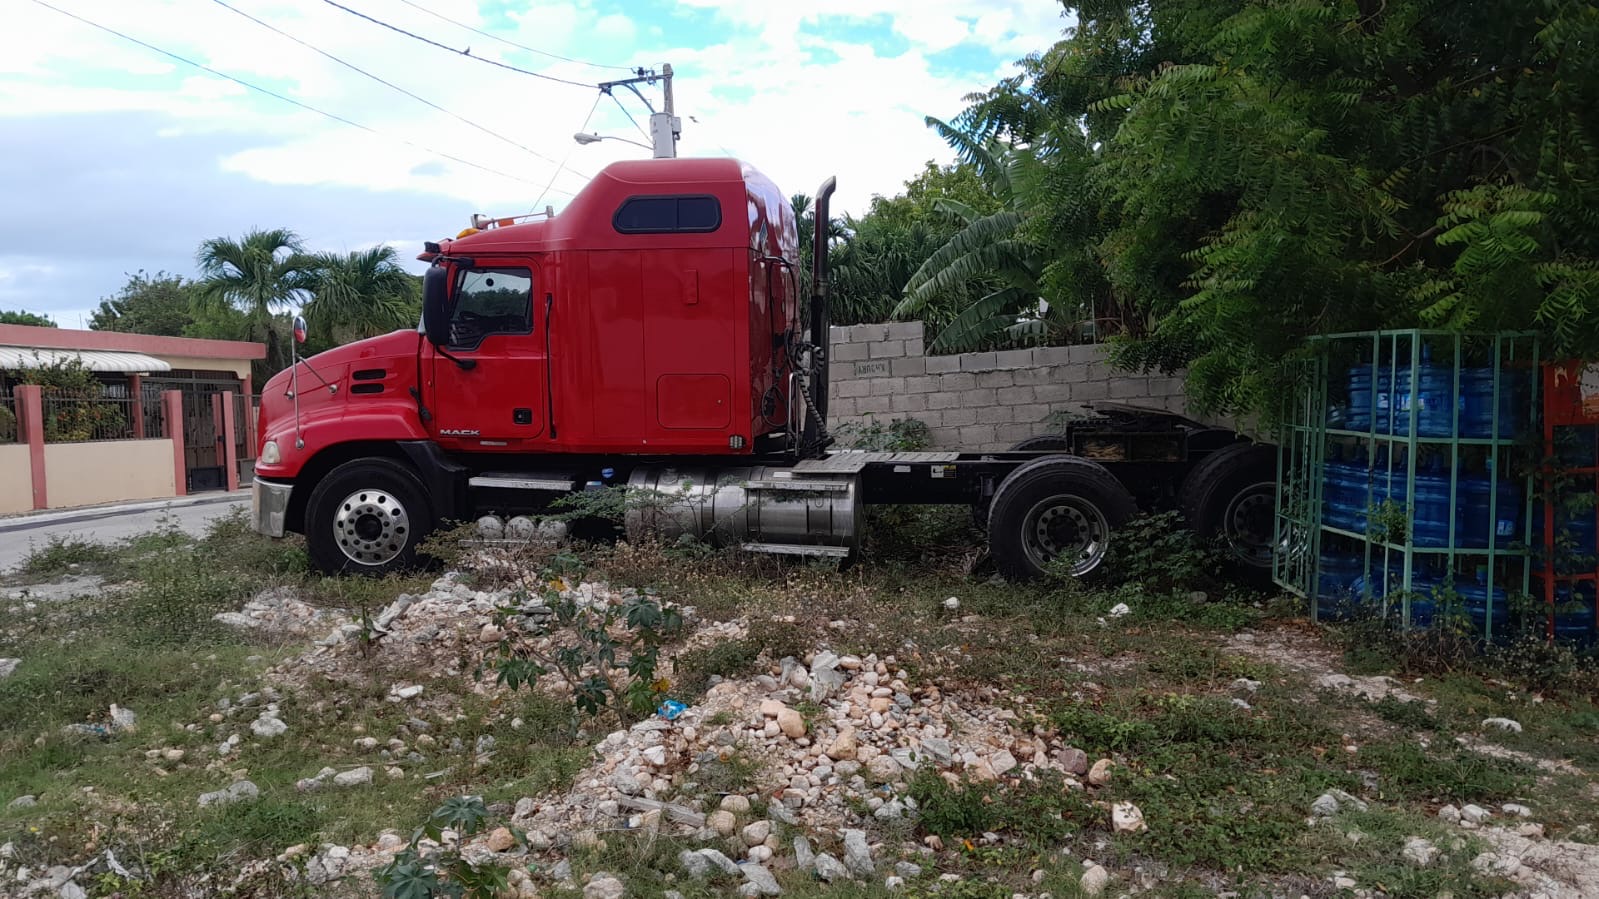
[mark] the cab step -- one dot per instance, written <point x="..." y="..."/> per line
<point x="545" y="482"/>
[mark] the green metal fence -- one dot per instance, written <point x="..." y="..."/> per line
<point x="1407" y="466"/>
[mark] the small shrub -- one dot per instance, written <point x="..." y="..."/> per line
<point x="1454" y="775"/>
<point x="1158" y="553"/>
<point x="899" y="435"/>
<point x="59" y="554"/>
<point x="416" y="873"/>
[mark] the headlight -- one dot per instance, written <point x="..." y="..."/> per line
<point x="270" y="454"/>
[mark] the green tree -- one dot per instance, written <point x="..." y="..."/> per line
<point x="359" y="294"/>
<point x="161" y="304"/>
<point x="24" y="317"/>
<point x="1227" y="179"/>
<point x="260" y="274"/>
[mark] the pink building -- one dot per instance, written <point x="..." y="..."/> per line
<point x="170" y="415"/>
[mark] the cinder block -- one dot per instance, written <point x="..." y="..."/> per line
<point x="1034" y="375"/>
<point x="904" y="330"/>
<point x="978" y="436"/>
<point x="886" y="349"/>
<point x="1088" y="391"/>
<point x="871" y="333"/>
<point x="1129" y="388"/>
<point x="1012" y="396"/>
<point x="1087" y="352"/>
<point x="1166" y="387"/>
<point x="995" y="415"/>
<point x="995" y="379"/>
<point x="1058" y="392"/>
<point x="911" y="402"/>
<point x="961" y="381"/>
<point x="915" y="365"/>
<point x="915" y="346"/>
<point x="1013" y="359"/>
<point x="852" y="388"/>
<point x="979" y="396"/>
<point x="1051" y="355"/>
<point x="887" y="386"/>
<point x="849" y="352"/>
<point x="937" y="365"/>
<point x="1012" y="434"/>
<point x="873" y="404"/>
<point x="923" y="384"/>
<point x="959" y="417"/>
<point x="841" y="408"/>
<point x="837" y="334"/>
<point x="1029" y="412"/>
<point x="933" y="418"/>
<point x="977" y="361"/>
<point x="943" y="400"/>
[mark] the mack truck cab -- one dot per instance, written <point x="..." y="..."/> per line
<point x="653" y="334"/>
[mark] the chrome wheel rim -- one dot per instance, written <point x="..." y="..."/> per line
<point x="371" y="527"/>
<point x="1066" y="526"/>
<point x="1247" y="523"/>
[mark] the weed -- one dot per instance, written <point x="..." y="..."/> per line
<point x="418" y="873"/>
<point x="1452" y="775"/>
<point x="62" y="554"/>
<point x="1409" y="715"/>
<point x="899" y="435"/>
<point x="1156" y="552"/>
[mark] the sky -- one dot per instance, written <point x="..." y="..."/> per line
<point x="115" y="158"/>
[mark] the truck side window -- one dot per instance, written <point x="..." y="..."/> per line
<point x="491" y="301"/>
<point x="666" y="215"/>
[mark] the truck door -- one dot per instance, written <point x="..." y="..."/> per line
<point x="494" y="391"/>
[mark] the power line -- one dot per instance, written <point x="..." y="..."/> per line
<point x="494" y="37"/>
<point x="629" y="115"/>
<point x="389" y="84"/>
<point x="568" y="154"/>
<point x="467" y="52"/>
<point x="306" y="106"/>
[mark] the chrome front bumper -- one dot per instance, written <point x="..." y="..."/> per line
<point x="269" y="506"/>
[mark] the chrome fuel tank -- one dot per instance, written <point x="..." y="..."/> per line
<point x="757" y="508"/>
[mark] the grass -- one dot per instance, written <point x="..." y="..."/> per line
<point x="1225" y="788"/>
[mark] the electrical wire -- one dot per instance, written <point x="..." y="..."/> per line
<point x="494" y="37"/>
<point x="568" y="154"/>
<point x="388" y="84"/>
<point x="629" y="115"/>
<point x="467" y="52"/>
<point x="290" y="100"/>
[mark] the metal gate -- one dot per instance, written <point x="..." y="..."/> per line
<point x="204" y="455"/>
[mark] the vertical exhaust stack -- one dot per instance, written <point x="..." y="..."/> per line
<point x="820" y="338"/>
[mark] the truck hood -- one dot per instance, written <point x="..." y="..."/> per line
<point x="334" y="364"/>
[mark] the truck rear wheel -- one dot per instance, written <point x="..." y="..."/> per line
<point x="1038" y="443"/>
<point x="367" y="517"/>
<point x="1231" y="496"/>
<point x="1053" y="508"/>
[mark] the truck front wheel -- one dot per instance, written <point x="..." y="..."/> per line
<point x="367" y="517"/>
<point x="1056" y="508"/>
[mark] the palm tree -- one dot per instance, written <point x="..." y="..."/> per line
<point x="261" y="273"/>
<point x="358" y="294"/>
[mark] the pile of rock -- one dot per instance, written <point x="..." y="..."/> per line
<point x="280" y="612"/>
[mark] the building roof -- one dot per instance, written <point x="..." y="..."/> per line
<point x="30" y="337"/>
<point x="16" y="358"/>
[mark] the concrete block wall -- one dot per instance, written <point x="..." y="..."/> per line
<point x="976" y="401"/>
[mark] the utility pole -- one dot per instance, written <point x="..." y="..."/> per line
<point x="665" y="126"/>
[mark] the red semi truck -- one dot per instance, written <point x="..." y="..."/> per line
<point x="653" y="334"/>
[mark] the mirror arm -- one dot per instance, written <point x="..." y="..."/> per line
<point x="465" y="364"/>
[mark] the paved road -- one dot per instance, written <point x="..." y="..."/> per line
<point x="109" y="524"/>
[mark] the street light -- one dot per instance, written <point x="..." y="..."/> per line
<point x="585" y="139"/>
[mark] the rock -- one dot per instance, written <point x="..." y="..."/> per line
<point x="695" y="864"/>
<point x="938" y="750"/>
<point x="490" y="634"/>
<point x="8" y="667"/>
<point x="857" y="854"/>
<point x="1118" y="610"/>
<point x="844" y="746"/>
<point x="771" y="708"/>
<point x="1325" y="806"/>
<point x="755" y="834"/>
<point x="1530" y="831"/>
<point x="1515" y="810"/>
<point x="238" y="791"/>
<point x="394" y="773"/>
<point x="1074" y="761"/>
<point x="1347" y="801"/>
<point x="1419" y="852"/>
<point x="736" y="803"/>
<point x="722" y="821"/>
<point x="1475" y="814"/>
<point x="602" y="886"/>
<point x="268" y="726"/>
<point x="1127" y="818"/>
<point x="1244" y="683"/>
<point x="1099" y="775"/>
<point x="908" y="870"/>
<point x="123" y="719"/>
<point x="791" y="723"/>
<point x="719" y="861"/>
<point x="27" y="801"/>
<point x="70" y="890"/>
<point x="830" y="869"/>
<point x="1094" y="880"/>
<point x="804" y="856"/>
<point x="883" y="769"/>
<point x="1505" y="724"/>
<point x="762" y="880"/>
<point x="390" y="842"/>
<point x="893" y="882"/>
<point x="172" y="755"/>
<point x="953" y="604"/>
<point x="400" y="693"/>
<point x="1002" y="762"/>
<point x="1449" y="814"/>
<point x="825" y="676"/>
<point x="354" y="777"/>
<point x="562" y="872"/>
<point x="500" y="839"/>
<point x="655" y="755"/>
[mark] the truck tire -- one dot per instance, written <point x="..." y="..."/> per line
<point x="1230" y="496"/>
<point x="367" y="517"/>
<point x="1053" y="506"/>
<point x="1051" y="443"/>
